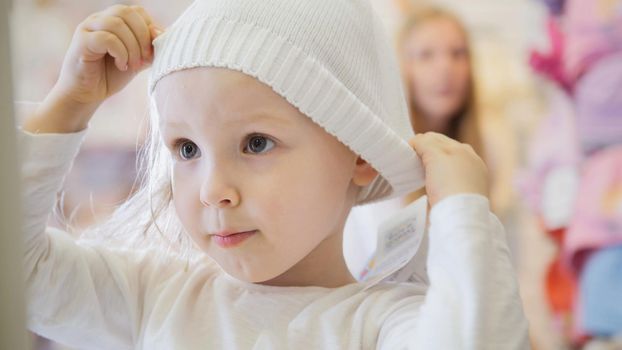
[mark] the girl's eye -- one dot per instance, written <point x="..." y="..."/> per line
<point x="258" y="144"/>
<point x="188" y="150"/>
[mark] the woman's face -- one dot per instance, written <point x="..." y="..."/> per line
<point x="438" y="69"/>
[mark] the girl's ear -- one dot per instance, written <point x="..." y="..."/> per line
<point x="364" y="173"/>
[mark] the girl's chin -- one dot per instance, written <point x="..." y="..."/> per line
<point x="258" y="278"/>
<point x="248" y="272"/>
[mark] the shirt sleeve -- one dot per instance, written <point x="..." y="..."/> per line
<point x="78" y="295"/>
<point x="473" y="300"/>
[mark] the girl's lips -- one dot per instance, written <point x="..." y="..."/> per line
<point x="232" y="240"/>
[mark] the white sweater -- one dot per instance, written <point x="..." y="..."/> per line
<point x="101" y="298"/>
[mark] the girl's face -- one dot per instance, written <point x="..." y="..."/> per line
<point x="258" y="186"/>
<point x="437" y="68"/>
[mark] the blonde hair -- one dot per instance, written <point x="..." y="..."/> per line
<point x="147" y="219"/>
<point x="464" y="126"/>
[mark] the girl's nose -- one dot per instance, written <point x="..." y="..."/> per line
<point x="217" y="192"/>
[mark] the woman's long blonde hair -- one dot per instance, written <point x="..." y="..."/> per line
<point x="464" y="126"/>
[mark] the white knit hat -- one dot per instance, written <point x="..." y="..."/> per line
<point x="329" y="58"/>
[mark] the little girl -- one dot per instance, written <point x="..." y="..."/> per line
<point x="271" y="119"/>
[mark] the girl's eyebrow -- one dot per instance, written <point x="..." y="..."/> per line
<point x="245" y="119"/>
<point x="174" y="123"/>
<point x="260" y="117"/>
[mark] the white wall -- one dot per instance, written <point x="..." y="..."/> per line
<point x="12" y="315"/>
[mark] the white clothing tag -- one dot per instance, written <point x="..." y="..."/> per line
<point x="400" y="255"/>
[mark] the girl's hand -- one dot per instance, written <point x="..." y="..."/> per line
<point x="107" y="50"/>
<point x="451" y="167"/>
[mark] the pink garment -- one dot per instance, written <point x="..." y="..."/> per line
<point x="593" y="29"/>
<point x="598" y="104"/>
<point x="551" y="64"/>
<point x="554" y="144"/>
<point x="597" y="221"/>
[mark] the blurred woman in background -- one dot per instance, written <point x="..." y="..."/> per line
<point x="434" y="50"/>
<point x="435" y="55"/>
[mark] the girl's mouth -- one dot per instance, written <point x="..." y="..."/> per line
<point x="232" y="240"/>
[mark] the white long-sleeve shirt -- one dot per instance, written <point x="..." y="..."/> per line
<point x="95" y="297"/>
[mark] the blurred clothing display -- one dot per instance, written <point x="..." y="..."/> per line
<point x="600" y="290"/>
<point x="556" y="7"/>
<point x="573" y="181"/>
<point x="593" y="30"/>
<point x="598" y="100"/>
<point x="597" y="222"/>
<point x="553" y="158"/>
<point x="550" y="64"/>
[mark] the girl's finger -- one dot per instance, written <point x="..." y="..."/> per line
<point x="138" y="26"/>
<point x="427" y="143"/>
<point x="101" y="43"/>
<point x="143" y="13"/>
<point x="154" y="29"/>
<point x="117" y="26"/>
<point x="431" y="142"/>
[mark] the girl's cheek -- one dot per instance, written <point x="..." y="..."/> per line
<point x="185" y="197"/>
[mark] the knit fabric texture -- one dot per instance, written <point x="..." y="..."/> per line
<point x="329" y="58"/>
